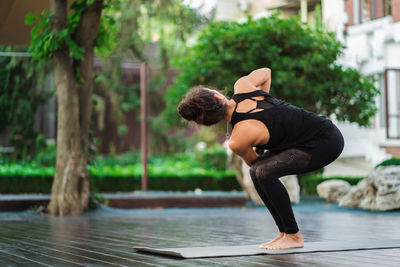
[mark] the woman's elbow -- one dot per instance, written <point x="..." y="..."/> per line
<point x="236" y="148"/>
<point x="232" y="146"/>
<point x="267" y="72"/>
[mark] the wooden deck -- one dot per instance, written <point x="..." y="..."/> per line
<point x="106" y="237"/>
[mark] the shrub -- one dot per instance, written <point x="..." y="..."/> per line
<point x="389" y="162"/>
<point x="212" y="158"/>
<point x="170" y="176"/>
<point x="124" y="159"/>
<point x="304" y="67"/>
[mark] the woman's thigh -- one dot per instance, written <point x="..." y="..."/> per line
<point x="324" y="149"/>
<point x="313" y="155"/>
<point x="274" y="164"/>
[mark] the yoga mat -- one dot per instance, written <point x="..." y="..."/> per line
<point x="247" y="250"/>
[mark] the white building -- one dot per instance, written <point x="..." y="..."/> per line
<point x="370" y="29"/>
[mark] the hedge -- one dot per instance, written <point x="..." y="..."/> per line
<point x="179" y="176"/>
<point x="389" y="162"/>
<point x="30" y="179"/>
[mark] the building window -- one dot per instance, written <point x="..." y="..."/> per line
<point x="380" y="83"/>
<point x="366" y="10"/>
<point x="392" y="103"/>
<point x="356" y="11"/>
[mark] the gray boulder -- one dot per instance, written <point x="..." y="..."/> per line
<point x="333" y="190"/>
<point x="379" y="191"/>
<point x="291" y="184"/>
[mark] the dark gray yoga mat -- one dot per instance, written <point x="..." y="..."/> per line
<point x="247" y="250"/>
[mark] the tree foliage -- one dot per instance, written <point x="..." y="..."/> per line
<point x="21" y="80"/>
<point x="303" y="63"/>
<point x="44" y="41"/>
<point x="164" y="26"/>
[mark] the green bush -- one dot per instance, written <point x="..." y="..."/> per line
<point x="25" y="184"/>
<point x="22" y="94"/>
<point x="318" y="172"/>
<point x="46" y="157"/>
<point x="177" y="175"/>
<point x="212" y="158"/>
<point x="389" y="162"/>
<point x="203" y="169"/>
<point x="304" y="67"/>
<point x="124" y="159"/>
<point x="308" y="184"/>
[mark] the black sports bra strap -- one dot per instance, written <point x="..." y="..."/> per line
<point x="236" y="106"/>
<point x="249" y="95"/>
<point x="251" y="110"/>
<point x="242" y="96"/>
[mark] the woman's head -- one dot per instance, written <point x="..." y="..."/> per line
<point x="202" y="105"/>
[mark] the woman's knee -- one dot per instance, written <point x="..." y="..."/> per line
<point x="257" y="172"/>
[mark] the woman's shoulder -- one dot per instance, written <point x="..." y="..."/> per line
<point x="244" y="91"/>
<point x="240" y="96"/>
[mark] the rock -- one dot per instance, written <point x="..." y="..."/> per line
<point x="290" y="182"/>
<point x="379" y="191"/>
<point x="248" y="185"/>
<point x="292" y="186"/>
<point x="333" y="190"/>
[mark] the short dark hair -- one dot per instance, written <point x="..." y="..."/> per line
<point x="201" y="106"/>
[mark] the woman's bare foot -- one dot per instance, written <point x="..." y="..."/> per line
<point x="264" y="245"/>
<point x="288" y="241"/>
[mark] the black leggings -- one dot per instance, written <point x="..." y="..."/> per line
<point x="269" y="167"/>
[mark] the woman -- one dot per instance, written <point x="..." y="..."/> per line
<point x="297" y="141"/>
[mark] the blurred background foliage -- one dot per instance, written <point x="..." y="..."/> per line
<point x="175" y="38"/>
<point x="21" y="80"/>
<point x="303" y="62"/>
<point x="131" y="31"/>
<point x="152" y="31"/>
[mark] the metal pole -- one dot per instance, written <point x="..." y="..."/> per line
<point x="144" y="81"/>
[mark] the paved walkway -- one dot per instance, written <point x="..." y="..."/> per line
<point x="106" y="237"/>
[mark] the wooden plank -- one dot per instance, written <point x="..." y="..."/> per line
<point x="7" y="259"/>
<point x="61" y="255"/>
<point x="38" y="258"/>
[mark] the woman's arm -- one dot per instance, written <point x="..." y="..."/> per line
<point x="267" y="84"/>
<point x="246" y="153"/>
<point x="260" y="76"/>
<point x="257" y="79"/>
<point x="243" y="139"/>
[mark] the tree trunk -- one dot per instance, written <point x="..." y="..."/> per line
<point x="70" y="189"/>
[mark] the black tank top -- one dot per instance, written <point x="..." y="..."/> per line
<point x="288" y="125"/>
